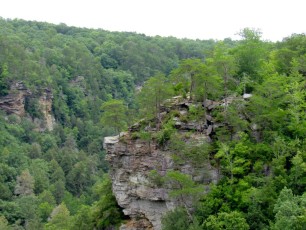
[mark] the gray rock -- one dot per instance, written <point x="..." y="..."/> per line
<point x="131" y="162"/>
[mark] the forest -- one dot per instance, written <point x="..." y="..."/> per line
<point x="103" y="82"/>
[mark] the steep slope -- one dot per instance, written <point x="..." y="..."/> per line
<point x="134" y="161"/>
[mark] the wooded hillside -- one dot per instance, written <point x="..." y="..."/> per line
<point x="55" y="178"/>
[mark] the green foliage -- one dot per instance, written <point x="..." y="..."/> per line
<point x="196" y="113"/>
<point x="152" y="96"/>
<point x="183" y="188"/>
<point x="24" y="184"/>
<point x="105" y="211"/>
<point x="298" y="172"/>
<point x="32" y="107"/>
<point x="4" y="224"/>
<point x="164" y="135"/>
<point x="114" y="115"/>
<point x="45" y="210"/>
<point x="4" y="86"/>
<point x="156" y="179"/>
<point x="290" y="211"/>
<point x="231" y="221"/>
<point x="257" y="144"/>
<point x="234" y="157"/>
<point x="28" y="208"/>
<point x="59" y="219"/>
<point x="184" y="150"/>
<point x="83" y="219"/>
<point x="176" y="220"/>
<point x="251" y="53"/>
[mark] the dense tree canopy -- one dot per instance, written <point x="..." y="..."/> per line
<point x="103" y="81"/>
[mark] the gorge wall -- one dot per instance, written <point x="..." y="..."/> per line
<point x="14" y="103"/>
<point x="133" y="159"/>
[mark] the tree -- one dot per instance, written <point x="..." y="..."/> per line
<point x="79" y="177"/>
<point x="250" y="54"/>
<point x="114" y="115"/>
<point x="152" y="95"/>
<point x="58" y="190"/>
<point x="267" y="108"/>
<point x="59" y="218"/>
<point x="176" y="219"/>
<point x="28" y="209"/>
<point x="225" y="66"/>
<point x="4" y="87"/>
<point x="24" y="184"/>
<point x="4" y="224"/>
<point x="83" y="219"/>
<point x="298" y="172"/>
<point x="40" y="169"/>
<point x="296" y="96"/>
<point x="234" y="156"/>
<point x="105" y="212"/>
<point x="184" y="190"/>
<point x="290" y="211"/>
<point x="187" y="74"/>
<point x="223" y="220"/>
<point x="46" y="205"/>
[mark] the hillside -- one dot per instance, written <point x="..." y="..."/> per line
<point x="63" y="89"/>
<point x="221" y="145"/>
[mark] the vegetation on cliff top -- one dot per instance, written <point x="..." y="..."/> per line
<point x="259" y="144"/>
<point x="54" y="180"/>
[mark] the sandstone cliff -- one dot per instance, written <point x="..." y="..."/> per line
<point x="14" y="103"/>
<point x="133" y="159"/>
<point x="45" y="104"/>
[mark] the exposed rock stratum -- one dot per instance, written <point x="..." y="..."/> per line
<point x="133" y="159"/>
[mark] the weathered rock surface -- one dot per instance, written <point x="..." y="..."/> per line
<point x="13" y="103"/>
<point x="131" y="162"/>
<point x="45" y="104"/>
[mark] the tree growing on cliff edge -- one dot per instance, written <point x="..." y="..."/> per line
<point x="152" y="95"/>
<point x="114" y="115"/>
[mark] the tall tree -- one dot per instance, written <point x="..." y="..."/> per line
<point x="152" y="95"/>
<point x="4" y="87"/>
<point x="225" y="67"/>
<point x="59" y="219"/>
<point x="105" y="212"/>
<point x="231" y="221"/>
<point x="250" y="53"/>
<point x="24" y="184"/>
<point x="290" y="211"/>
<point x="187" y="75"/>
<point x="114" y="115"/>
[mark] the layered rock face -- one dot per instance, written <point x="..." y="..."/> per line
<point x="13" y="103"/>
<point x="132" y="161"/>
<point x="45" y="104"/>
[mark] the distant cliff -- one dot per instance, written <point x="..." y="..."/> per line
<point x="16" y="99"/>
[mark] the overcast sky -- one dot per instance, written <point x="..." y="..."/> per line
<point x="203" y="19"/>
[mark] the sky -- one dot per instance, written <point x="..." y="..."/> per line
<point x="194" y="19"/>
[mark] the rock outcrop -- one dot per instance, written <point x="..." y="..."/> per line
<point x="132" y="161"/>
<point x="45" y="104"/>
<point x="13" y="103"/>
